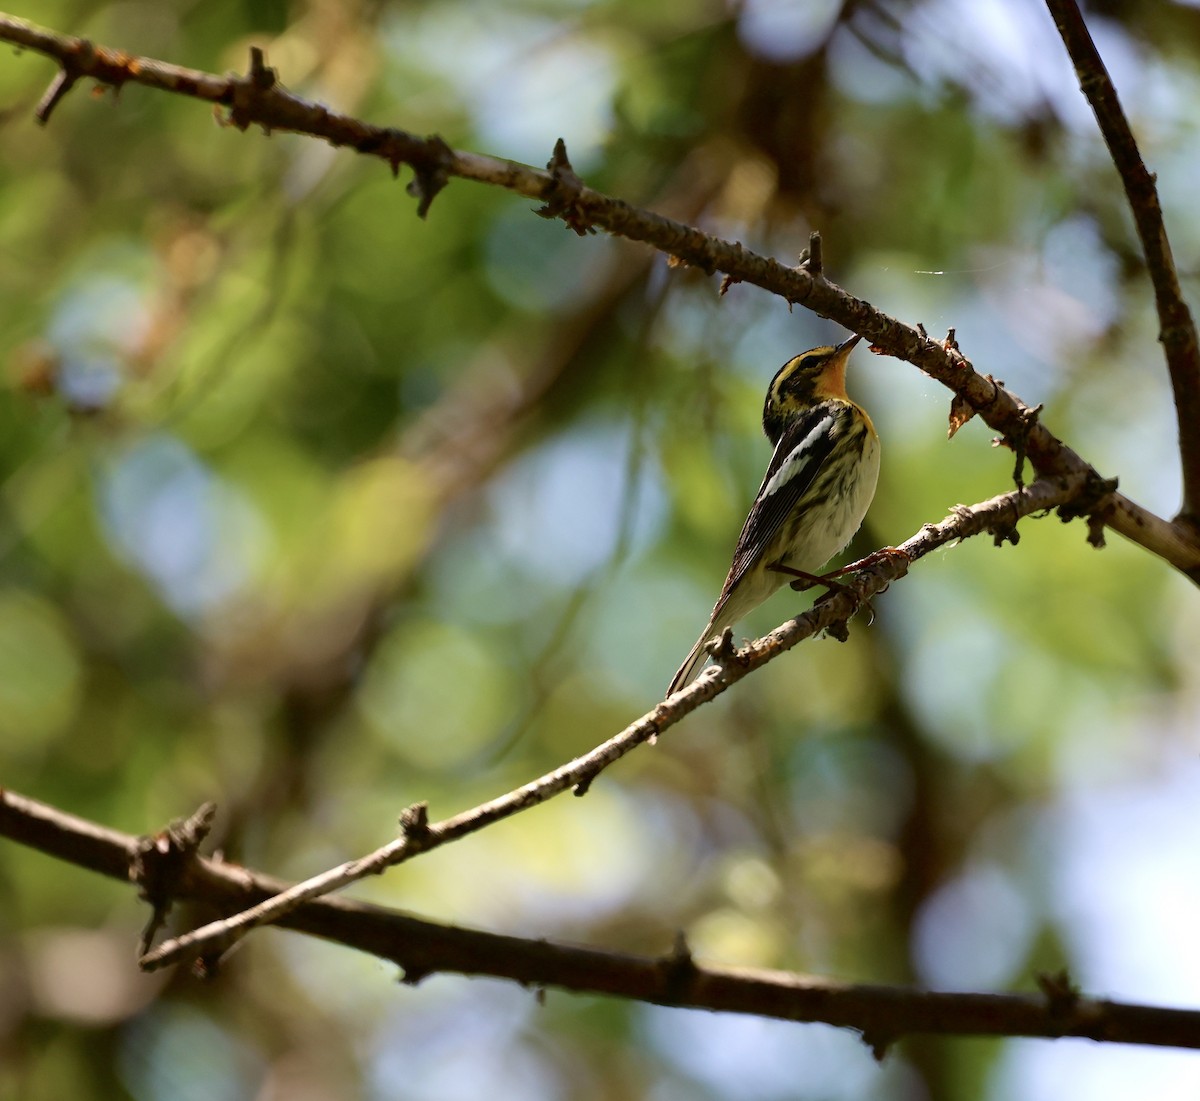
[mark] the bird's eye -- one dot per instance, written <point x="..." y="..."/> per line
<point x="798" y="375"/>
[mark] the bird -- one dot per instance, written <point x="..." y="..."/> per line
<point x="817" y="489"/>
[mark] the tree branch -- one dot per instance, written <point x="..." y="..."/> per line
<point x="998" y="516"/>
<point x="259" y="99"/>
<point x="1065" y="478"/>
<point x="882" y="1014"/>
<point x="1177" y="329"/>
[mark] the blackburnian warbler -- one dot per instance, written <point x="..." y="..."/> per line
<point x="817" y="488"/>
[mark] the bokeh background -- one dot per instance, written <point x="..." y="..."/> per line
<point x="316" y="509"/>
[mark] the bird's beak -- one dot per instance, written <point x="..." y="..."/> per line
<point x="845" y="346"/>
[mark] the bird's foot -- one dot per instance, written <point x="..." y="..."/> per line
<point x="872" y="559"/>
<point x="807" y="580"/>
<point x="804" y="581"/>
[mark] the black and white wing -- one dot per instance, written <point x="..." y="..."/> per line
<point x="803" y="449"/>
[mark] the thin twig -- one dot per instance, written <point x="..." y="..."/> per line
<point x="57" y="91"/>
<point x="1177" y="328"/>
<point x="881" y="1014"/>
<point x="1000" y="512"/>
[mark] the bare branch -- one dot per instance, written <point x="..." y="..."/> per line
<point x="260" y="99"/>
<point x="877" y="572"/>
<point x="80" y="58"/>
<point x="1177" y="329"/>
<point x="882" y="1014"/>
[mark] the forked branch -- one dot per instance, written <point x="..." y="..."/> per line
<point x="259" y="99"/>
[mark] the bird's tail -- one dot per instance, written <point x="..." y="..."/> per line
<point x="697" y="656"/>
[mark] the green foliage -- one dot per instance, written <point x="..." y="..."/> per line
<point x="316" y="509"/>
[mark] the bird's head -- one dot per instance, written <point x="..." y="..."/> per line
<point x="811" y="377"/>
